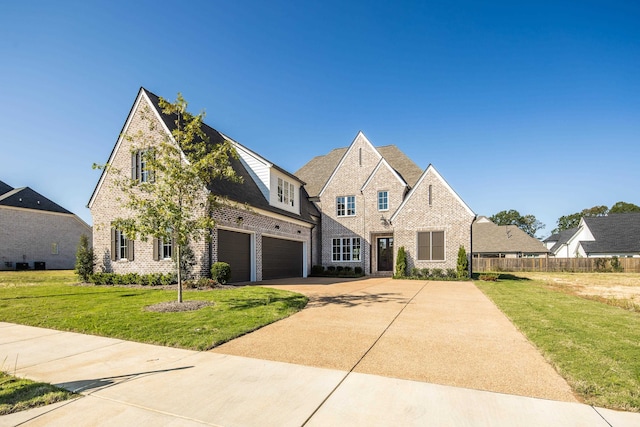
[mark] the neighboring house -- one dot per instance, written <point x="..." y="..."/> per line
<point x="503" y="241"/>
<point x="36" y="233"/>
<point x="375" y="200"/>
<point x="599" y="237"/>
<point x="265" y="231"/>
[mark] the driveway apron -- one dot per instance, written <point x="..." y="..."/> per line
<point x="445" y="333"/>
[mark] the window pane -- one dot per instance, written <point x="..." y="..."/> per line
<point x="340" y="206"/>
<point x="423" y="246"/>
<point x="280" y="190"/>
<point x="292" y="190"/>
<point x="383" y="200"/>
<point x="351" y="205"/>
<point x="336" y="250"/>
<point x="356" y="249"/>
<point x="346" y="249"/>
<point x="437" y="245"/>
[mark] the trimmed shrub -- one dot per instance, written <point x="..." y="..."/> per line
<point x="452" y="273"/>
<point x="317" y="270"/>
<point x="425" y="272"/>
<point x="85" y="259"/>
<point x="416" y="272"/>
<point x="357" y="270"/>
<point x="462" y="267"/>
<point x="436" y="272"/>
<point x="331" y="270"/>
<point x="401" y="262"/>
<point x="339" y="269"/>
<point x="221" y="272"/>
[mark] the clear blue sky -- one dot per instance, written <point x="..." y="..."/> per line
<point x="533" y="106"/>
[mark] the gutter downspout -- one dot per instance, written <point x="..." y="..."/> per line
<point x="475" y="217"/>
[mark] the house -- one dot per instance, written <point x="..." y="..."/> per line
<point x="352" y="207"/>
<point x="503" y="241"/>
<point x="35" y="232"/>
<point x="374" y="200"/>
<point x="599" y="237"/>
<point x="264" y="231"/>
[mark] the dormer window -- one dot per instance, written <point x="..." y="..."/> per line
<point x="286" y="192"/>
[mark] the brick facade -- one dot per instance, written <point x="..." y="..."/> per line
<point x="30" y="236"/>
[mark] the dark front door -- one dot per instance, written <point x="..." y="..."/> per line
<point x="385" y="254"/>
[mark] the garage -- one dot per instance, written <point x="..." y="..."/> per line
<point x="235" y="249"/>
<point x="281" y="258"/>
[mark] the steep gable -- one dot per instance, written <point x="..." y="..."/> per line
<point x="4" y="188"/>
<point x="27" y="198"/>
<point x="614" y="233"/>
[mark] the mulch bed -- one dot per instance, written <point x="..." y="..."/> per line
<point x="175" y="306"/>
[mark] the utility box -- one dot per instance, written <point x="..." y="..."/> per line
<point x="39" y="265"/>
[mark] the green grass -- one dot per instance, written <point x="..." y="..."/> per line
<point x="17" y="394"/>
<point x="594" y="346"/>
<point x="51" y="300"/>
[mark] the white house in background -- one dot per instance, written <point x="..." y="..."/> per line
<point x="598" y="237"/>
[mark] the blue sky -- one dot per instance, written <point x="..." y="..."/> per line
<point x="533" y="106"/>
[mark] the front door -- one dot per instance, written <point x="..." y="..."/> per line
<point x="385" y="253"/>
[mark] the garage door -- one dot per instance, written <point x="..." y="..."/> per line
<point x="281" y="258"/>
<point x="235" y="249"/>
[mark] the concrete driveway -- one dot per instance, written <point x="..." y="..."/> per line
<point x="445" y="333"/>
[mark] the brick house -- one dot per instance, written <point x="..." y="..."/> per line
<point x="351" y="207"/>
<point x="37" y="233"/>
<point x="265" y="231"/>
<point x="375" y="200"/>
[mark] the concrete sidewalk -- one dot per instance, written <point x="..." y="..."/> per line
<point x="124" y="383"/>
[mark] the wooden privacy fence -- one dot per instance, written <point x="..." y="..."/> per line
<point x="584" y="265"/>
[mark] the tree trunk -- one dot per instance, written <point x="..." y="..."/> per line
<point x="179" y="273"/>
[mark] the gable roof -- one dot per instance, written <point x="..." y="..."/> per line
<point x="431" y="170"/>
<point x="4" y="188"/>
<point x="318" y="170"/>
<point x="614" y="233"/>
<point x="491" y="238"/>
<point x="561" y="238"/>
<point x="27" y="198"/>
<point x="246" y="192"/>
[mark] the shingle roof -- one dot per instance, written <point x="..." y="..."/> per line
<point x="491" y="238"/>
<point x="26" y="198"/>
<point x="4" y="188"/>
<point x="614" y="233"/>
<point x="248" y="191"/>
<point x="561" y="238"/>
<point x="319" y="169"/>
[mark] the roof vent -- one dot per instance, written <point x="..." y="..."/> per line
<point x="20" y="199"/>
<point x="38" y="201"/>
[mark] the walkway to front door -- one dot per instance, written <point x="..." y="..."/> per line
<point x="385" y="253"/>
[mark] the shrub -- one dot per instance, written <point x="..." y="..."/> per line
<point x="416" y="272"/>
<point x="462" y="267"/>
<point x="168" y="279"/>
<point x="357" y="270"/>
<point x="615" y="264"/>
<point x="452" y="273"/>
<point x="489" y="277"/>
<point x="153" y="279"/>
<point x="436" y="272"/>
<point x="317" y="270"/>
<point x="221" y="272"/>
<point x="425" y="272"/>
<point x="339" y="269"/>
<point x="347" y="270"/>
<point x="85" y="259"/>
<point x="331" y="269"/>
<point x="130" y="279"/>
<point x="401" y="262"/>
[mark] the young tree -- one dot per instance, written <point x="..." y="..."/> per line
<point x="462" y="266"/>
<point x="173" y="203"/>
<point x="527" y="223"/>
<point x="85" y="259"/>
<point x="401" y="262"/>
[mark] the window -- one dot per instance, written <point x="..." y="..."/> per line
<point x="121" y="247"/>
<point x="431" y="246"/>
<point x="383" y="200"/>
<point x="346" y="206"/>
<point x="54" y="249"/>
<point x="346" y="249"/>
<point x="162" y="249"/>
<point x="140" y="170"/>
<point x="286" y="192"/>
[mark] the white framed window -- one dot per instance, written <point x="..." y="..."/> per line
<point x="346" y="205"/>
<point x="431" y="245"/>
<point x="346" y="249"/>
<point x="286" y="192"/>
<point x="121" y="247"/>
<point x="55" y="250"/>
<point x="383" y="200"/>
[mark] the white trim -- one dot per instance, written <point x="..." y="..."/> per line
<point x="344" y="156"/>
<point x="386" y="163"/>
<point x="279" y="217"/>
<point x="431" y="169"/>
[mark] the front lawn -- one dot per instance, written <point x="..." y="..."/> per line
<point x="18" y="394"/>
<point x="595" y="346"/>
<point x="51" y="299"/>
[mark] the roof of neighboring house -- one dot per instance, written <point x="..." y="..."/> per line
<point x="561" y="238"/>
<point x="491" y="238"/>
<point x="4" y="188"/>
<point x="614" y="233"/>
<point x="246" y="192"/>
<point x="319" y="169"/>
<point x="26" y="198"/>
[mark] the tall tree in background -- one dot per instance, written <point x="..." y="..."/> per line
<point x="624" y="207"/>
<point x="567" y="222"/>
<point x="173" y="205"/>
<point x="527" y="223"/>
